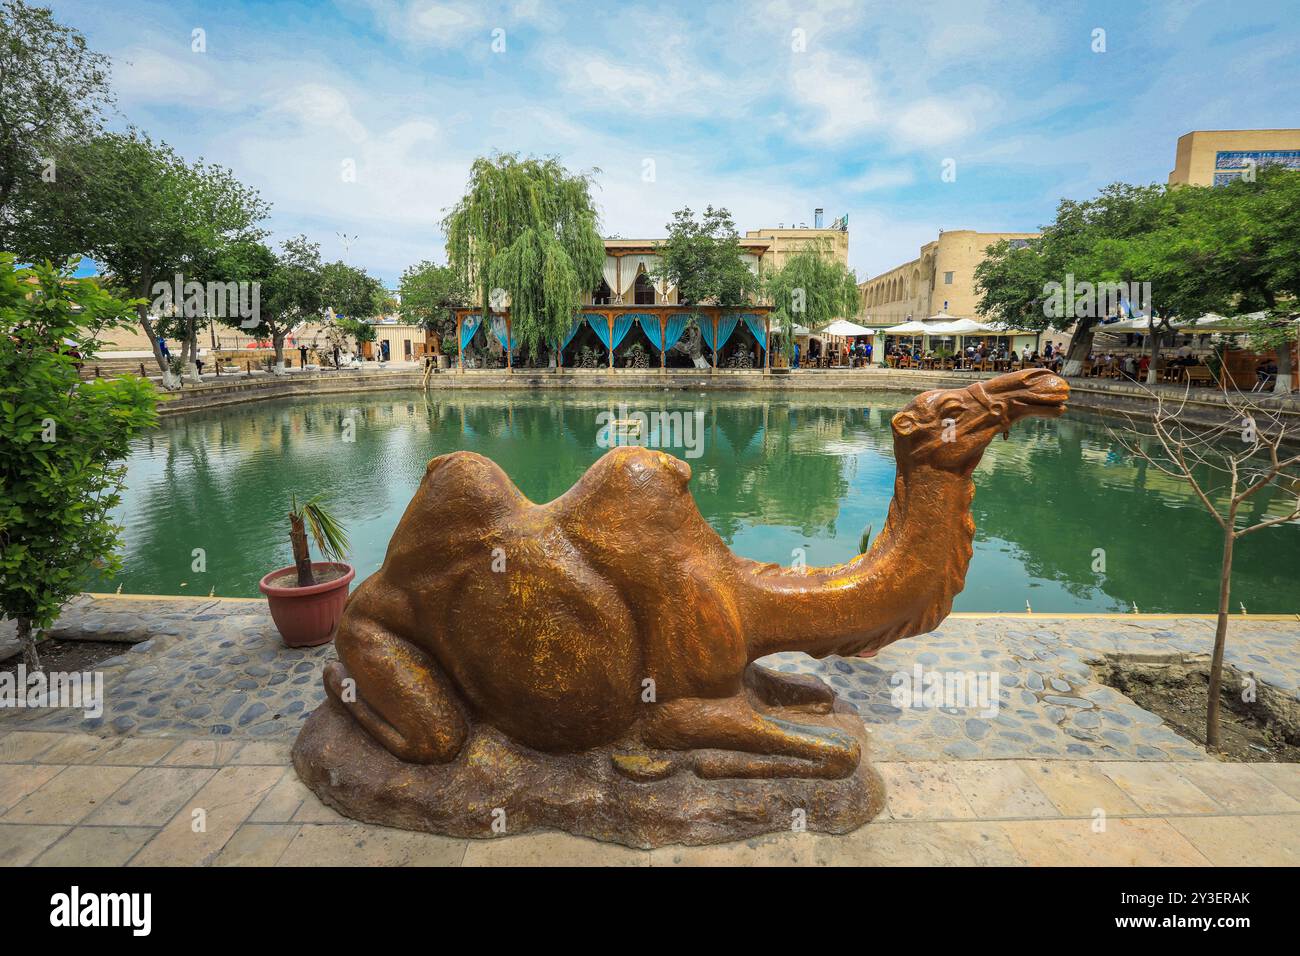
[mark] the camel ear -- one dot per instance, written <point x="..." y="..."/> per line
<point x="904" y="423"/>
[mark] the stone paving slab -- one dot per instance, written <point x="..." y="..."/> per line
<point x="939" y="813"/>
<point x="213" y="668"/>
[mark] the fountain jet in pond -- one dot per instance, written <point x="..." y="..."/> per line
<point x="590" y="664"/>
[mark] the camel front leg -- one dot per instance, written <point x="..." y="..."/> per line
<point x="396" y="692"/>
<point x="731" y="739"/>
<point x="789" y="690"/>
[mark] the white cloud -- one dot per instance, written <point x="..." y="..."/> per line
<point x="145" y="75"/>
<point x="881" y="178"/>
<point x="937" y="120"/>
<point x="321" y="105"/>
<point x="439" y="24"/>
<point x="841" y="94"/>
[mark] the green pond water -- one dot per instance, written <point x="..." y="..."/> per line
<point x="771" y="475"/>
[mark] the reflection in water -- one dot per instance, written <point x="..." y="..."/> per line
<point x="774" y="475"/>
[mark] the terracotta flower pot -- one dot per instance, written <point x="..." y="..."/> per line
<point x="308" y="616"/>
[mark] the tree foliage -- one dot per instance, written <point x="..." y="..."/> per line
<point x="703" y="259"/>
<point x="142" y="212"/>
<point x="1228" y="249"/>
<point x="60" y="441"/>
<point x="350" y="291"/>
<point x="528" y="227"/>
<point x="812" y="289"/>
<point x="428" y="293"/>
<point x="53" y="88"/>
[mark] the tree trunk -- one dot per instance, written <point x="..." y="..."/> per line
<point x="1220" y="639"/>
<point x="301" y="555"/>
<point x="192" y="350"/>
<point x="1153" y="374"/>
<point x="277" y="340"/>
<point x="142" y="311"/>
<point x="31" y="659"/>
<point x="1282" y="385"/>
<point x="1080" y="346"/>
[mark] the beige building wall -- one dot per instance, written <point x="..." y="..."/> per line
<point x="944" y="272"/>
<point x="786" y="242"/>
<point x="1197" y="160"/>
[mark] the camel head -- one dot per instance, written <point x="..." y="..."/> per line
<point x="949" y="428"/>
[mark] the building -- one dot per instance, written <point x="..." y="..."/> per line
<point x="1216" y="157"/>
<point x="940" y="279"/>
<point x="786" y="242"/>
<point x="629" y="262"/>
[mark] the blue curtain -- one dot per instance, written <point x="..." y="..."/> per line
<point x="726" y="325"/>
<point x="499" y="330"/>
<point x="674" y="329"/>
<point x="468" y="326"/>
<point x="755" y="325"/>
<point x="573" y="330"/>
<point x="622" y="325"/>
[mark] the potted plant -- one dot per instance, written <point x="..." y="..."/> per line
<point x="306" y="597"/>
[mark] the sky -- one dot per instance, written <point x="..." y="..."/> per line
<point x="358" y="119"/>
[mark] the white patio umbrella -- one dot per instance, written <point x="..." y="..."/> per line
<point x="848" y="329"/>
<point x="907" y="328"/>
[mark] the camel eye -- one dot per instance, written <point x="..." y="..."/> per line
<point x="951" y="409"/>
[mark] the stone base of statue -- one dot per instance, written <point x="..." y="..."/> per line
<point x="496" y="787"/>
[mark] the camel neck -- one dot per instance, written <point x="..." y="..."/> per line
<point x="903" y="585"/>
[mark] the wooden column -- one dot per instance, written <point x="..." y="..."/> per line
<point x="663" y="341"/>
<point x="460" y="352"/>
<point x="510" y="367"/>
<point x="715" y="341"/>
<point x="609" y="317"/>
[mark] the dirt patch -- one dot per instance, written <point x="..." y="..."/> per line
<point x="69" y="656"/>
<point x="1263" y="730"/>
<point x="323" y="576"/>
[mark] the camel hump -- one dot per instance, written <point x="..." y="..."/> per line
<point x="630" y="481"/>
<point x="461" y="506"/>
<point x="464" y="479"/>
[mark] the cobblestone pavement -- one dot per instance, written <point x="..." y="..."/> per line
<point x="84" y="800"/>
<point x="217" y="668"/>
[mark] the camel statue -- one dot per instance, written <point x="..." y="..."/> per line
<point x="615" y="615"/>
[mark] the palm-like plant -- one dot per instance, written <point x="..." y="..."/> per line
<point x="331" y="540"/>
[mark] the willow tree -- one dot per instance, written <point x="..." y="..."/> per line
<point x="529" y="228"/>
<point x="812" y="289"/>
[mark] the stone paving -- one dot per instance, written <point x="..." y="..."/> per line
<point x="217" y="668"/>
<point x="81" y="800"/>
<point x="1050" y="705"/>
<point x="204" y="701"/>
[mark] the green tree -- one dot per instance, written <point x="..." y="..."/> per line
<point x="142" y="212"/>
<point x="429" y="293"/>
<point x="703" y="259"/>
<point x="350" y="291"/>
<point x="53" y="88"/>
<point x="528" y="227"/>
<point x="1085" y="243"/>
<point x="1257" y="237"/>
<point x="289" y="287"/>
<point x="813" y="288"/>
<point x="61" y="440"/>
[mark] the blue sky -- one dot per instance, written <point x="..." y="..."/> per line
<point x="768" y="107"/>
